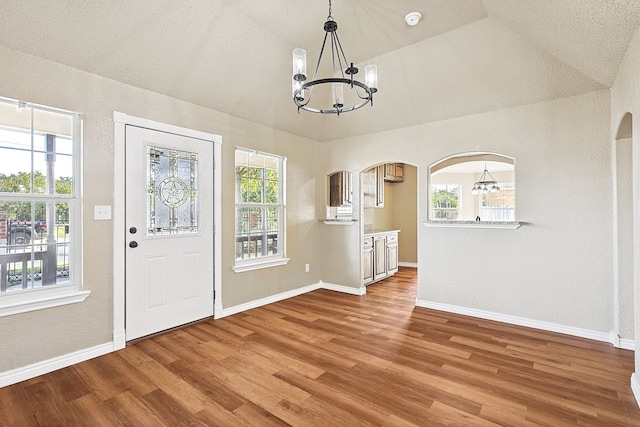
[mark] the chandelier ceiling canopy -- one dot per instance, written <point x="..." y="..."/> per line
<point x="332" y="88"/>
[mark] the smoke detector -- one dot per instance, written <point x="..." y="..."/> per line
<point x="413" y="18"/>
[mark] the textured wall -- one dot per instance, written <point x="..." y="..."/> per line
<point x="625" y="98"/>
<point x="44" y="334"/>
<point x="558" y="266"/>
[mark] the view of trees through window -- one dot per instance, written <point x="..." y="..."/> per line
<point x="258" y="204"/>
<point x="445" y="201"/>
<point x="37" y="195"/>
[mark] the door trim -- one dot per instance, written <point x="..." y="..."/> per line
<point x="121" y="120"/>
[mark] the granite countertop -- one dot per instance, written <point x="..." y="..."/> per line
<point x="379" y="231"/>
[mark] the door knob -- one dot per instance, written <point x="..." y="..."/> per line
<point x="133" y="230"/>
<point x="133" y="244"/>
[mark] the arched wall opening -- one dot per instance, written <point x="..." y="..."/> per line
<point x="622" y="156"/>
<point x="472" y="186"/>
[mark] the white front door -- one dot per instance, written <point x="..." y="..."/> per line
<point x="169" y="277"/>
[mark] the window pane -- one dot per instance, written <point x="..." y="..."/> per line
<point x="34" y="248"/>
<point x="500" y="205"/>
<point x="36" y="159"/>
<point x="258" y="187"/>
<point x="445" y="200"/>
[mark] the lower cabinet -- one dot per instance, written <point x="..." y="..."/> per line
<point x="379" y="256"/>
<point x="392" y="254"/>
<point x="367" y="261"/>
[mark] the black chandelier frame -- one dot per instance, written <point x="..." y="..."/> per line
<point x="338" y="58"/>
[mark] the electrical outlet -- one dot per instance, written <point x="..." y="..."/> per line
<point x="306" y="268"/>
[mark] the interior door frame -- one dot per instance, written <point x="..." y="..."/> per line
<point x="121" y="120"/>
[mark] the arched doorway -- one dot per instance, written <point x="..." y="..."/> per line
<point x="623" y="306"/>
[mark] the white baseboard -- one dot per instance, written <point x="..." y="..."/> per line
<point x="407" y="264"/>
<point x="627" y="344"/>
<point x="635" y="386"/>
<point x="514" y="320"/>
<point x="40" y="368"/>
<point x="345" y="289"/>
<point x="289" y="294"/>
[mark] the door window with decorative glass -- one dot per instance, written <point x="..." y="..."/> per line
<point x="259" y="190"/>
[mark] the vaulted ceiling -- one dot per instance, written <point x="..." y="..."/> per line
<point x="464" y="57"/>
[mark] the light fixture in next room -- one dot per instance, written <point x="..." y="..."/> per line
<point x="485" y="184"/>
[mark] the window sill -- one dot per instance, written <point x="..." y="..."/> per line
<point x="39" y="300"/>
<point x="509" y="225"/>
<point x="339" y="221"/>
<point x="241" y="268"/>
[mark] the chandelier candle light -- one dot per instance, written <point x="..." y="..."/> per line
<point x="303" y="89"/>
<point x="485" y="184"/>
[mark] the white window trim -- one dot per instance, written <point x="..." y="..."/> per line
<point x="58" y="295"/>
<point x="258" y="263"/>
<point x="41" y="298"/>
<point x="244" y="265"/>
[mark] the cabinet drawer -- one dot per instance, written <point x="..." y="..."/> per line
<point x="368" y="243"/>
<point x="392" y="238"/>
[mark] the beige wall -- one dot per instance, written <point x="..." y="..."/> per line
<point x="555" y="268"/>
<point x="44" y="334"/>
<point x="625" y="98"/>
<point x="405" y="215"/>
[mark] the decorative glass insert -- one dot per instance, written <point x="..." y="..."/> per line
<point x="172" y="202"/>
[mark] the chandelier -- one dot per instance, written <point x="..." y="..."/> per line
<point x="343" y="76"/>
<point x="485" y="184"/>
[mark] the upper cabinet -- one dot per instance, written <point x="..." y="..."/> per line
<point x="373" y="187"/>
<point x="394" y="172"/>
<point x="340" y="189"/>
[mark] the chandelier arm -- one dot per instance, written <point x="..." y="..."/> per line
<point x="369" y="93"/>
<point x="341" y="52"/>
<point x="338" y="52"/>
<point x="324" y="42"/>
<point x="491" y="176"/>
<point x="333" y="56"/>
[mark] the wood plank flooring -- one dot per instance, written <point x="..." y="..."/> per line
<point x="330" y="359"/>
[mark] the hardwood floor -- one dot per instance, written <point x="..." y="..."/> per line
<point x="330" y="359"/>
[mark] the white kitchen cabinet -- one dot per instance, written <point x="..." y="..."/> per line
<point x="392" y="254"/>
<point x="380" y="256"/>
<point x="367" y="261"/>
<point x="373" y="187"/>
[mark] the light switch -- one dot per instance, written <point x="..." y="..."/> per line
<point x="102" y="212"/>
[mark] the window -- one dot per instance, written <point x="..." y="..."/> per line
<point x="445" y="202"/>
<point x="453" y="198"/>
<point x="39" y="207"/>
<point x="260" y="210"/>
<point x="499" y="206"/>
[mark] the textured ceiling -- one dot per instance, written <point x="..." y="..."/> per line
<point x="465" y="56"/>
